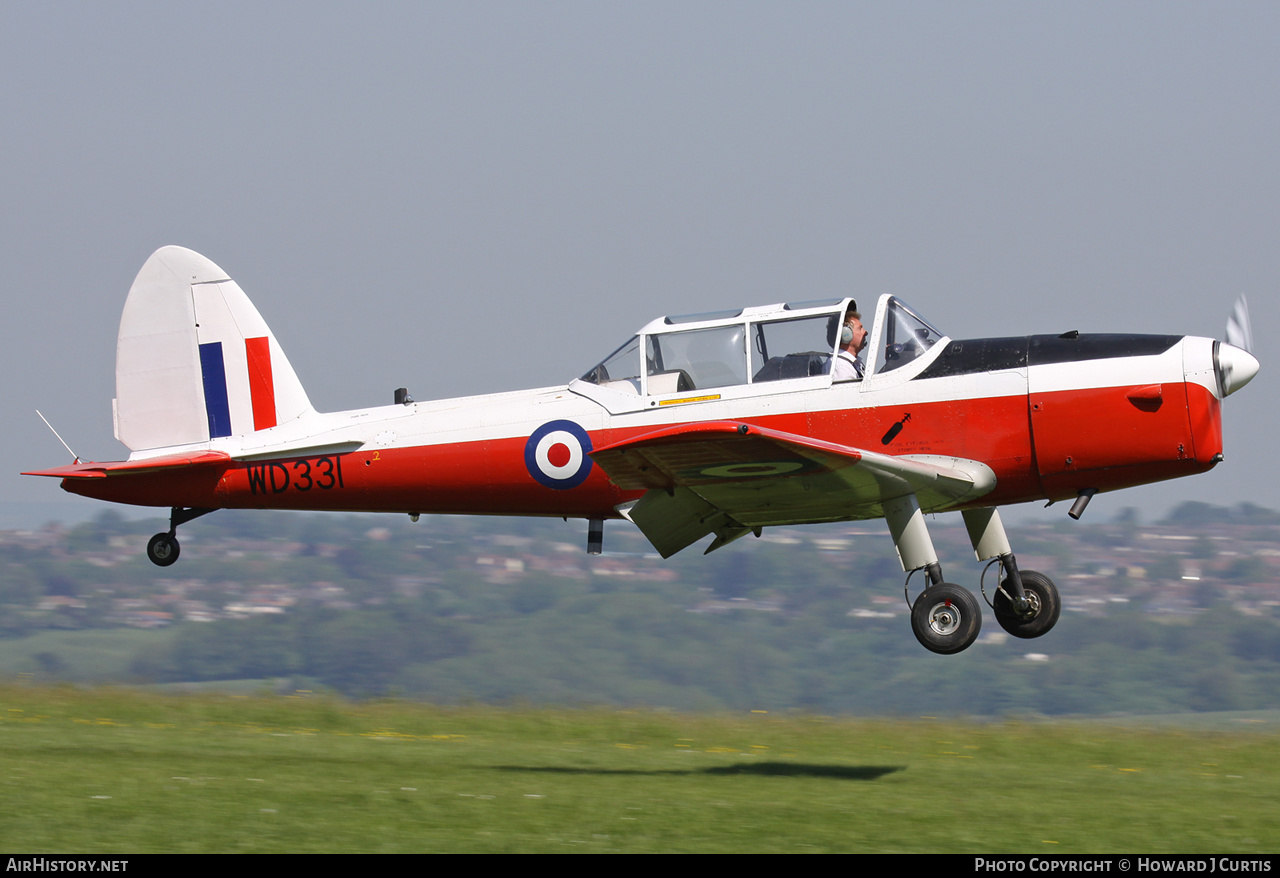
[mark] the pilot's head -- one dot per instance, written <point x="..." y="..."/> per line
<point x="853" y="335"/>
<point x="836" y="326"/>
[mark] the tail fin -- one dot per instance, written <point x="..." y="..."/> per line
<point x="195" y="360"/>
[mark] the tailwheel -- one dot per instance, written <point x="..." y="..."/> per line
<point x="946" y="618"/>
<point x="1042" y="612"/>
<point x="163" y="549"/>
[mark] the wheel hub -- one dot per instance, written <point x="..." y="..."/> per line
<point x="1032" y="608"/>
<point x="944" y="618"/>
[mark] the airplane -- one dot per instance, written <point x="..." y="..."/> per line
<point x="703" y="425"/>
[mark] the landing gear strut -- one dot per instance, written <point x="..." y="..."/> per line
<point x="163" y="548"/>
<point x="944" y="617"/>
<point x="1026" y="603"/>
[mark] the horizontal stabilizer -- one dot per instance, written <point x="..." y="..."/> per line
<point x="133" y="467"/>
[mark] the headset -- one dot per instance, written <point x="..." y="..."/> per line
<point x="846" y="332"/>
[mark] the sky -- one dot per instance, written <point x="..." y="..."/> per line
<point x="471" y="197"/>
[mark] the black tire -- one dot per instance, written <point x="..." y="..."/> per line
<point x="1046" y="607"/>
<point x="946" y="618"/>
<point x="163" y="550"/>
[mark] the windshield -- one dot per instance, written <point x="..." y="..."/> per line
<point x="906" y="336"/>
<point x="620" y="370"/>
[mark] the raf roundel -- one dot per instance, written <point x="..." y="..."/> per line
<point x="754" y="470"/>
<point x="556" y="455"/>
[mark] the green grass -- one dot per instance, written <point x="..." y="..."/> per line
<point x="121" y="771"/>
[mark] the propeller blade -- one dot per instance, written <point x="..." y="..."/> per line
<point x="1233" y="359"/>
<point x="1239" y="332"/>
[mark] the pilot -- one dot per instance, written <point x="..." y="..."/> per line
<point x="853" y="338"/>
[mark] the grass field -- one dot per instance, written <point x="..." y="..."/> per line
<point x="120" y="771"/>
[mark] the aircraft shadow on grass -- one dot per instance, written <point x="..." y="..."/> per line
<point x="760" y="769"/>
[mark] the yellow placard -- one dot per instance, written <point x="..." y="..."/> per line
<point x="688" y="399"/>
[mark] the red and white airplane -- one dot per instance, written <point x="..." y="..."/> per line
<point x="703" y="425"/>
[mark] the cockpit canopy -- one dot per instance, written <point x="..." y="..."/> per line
<point x="758" y="345"/>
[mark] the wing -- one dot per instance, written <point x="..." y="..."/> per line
<point x="729" y="478"/>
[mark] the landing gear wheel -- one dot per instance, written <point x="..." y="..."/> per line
<point x="946" y="618"/>
<point x="1044" y="611"/>
<point x="163" y="550"/>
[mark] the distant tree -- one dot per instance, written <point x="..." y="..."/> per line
<point x="1256" y="640"/>
<point x="1215" y="688"/>
<point x="1248" y="513"/>
<point x="19" y="586"/>
<point x="1196" y="512"/>
<point x="1205" y="594"/>
<point x="355" y="653"/>
<point x="1166" y="567"/>
<point x="51" y="664"/>
<point x="88" y="536"/>
<point x="1247" y="568"/>
<point x="537" y="591"/>
<point x="1129" y="515"/>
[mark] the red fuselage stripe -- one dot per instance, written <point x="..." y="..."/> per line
<point x="1049" y="447"/>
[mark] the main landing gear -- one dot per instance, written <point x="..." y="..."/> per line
<point x="1037" y="615"/>
<point x="163" y="548"/>
<point x="946" y="618"/>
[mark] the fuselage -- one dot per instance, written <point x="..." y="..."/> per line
<point x="1050" y="415"/>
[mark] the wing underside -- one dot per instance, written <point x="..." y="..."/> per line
<point x="729" y="478"/>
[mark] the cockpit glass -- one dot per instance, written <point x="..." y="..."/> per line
<point x="906" y="336"/>
<point x="696" y="359"/>
<point x="758" y="346"/>
<point x="620" y="370"/>
<point x="795" y="348"/>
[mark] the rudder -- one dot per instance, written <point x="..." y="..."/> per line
<point x="195" y="360"/>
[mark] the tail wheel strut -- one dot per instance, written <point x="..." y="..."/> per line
<point x="163" y="548"/>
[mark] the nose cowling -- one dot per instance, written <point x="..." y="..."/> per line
<point x="1234" y="366"/>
